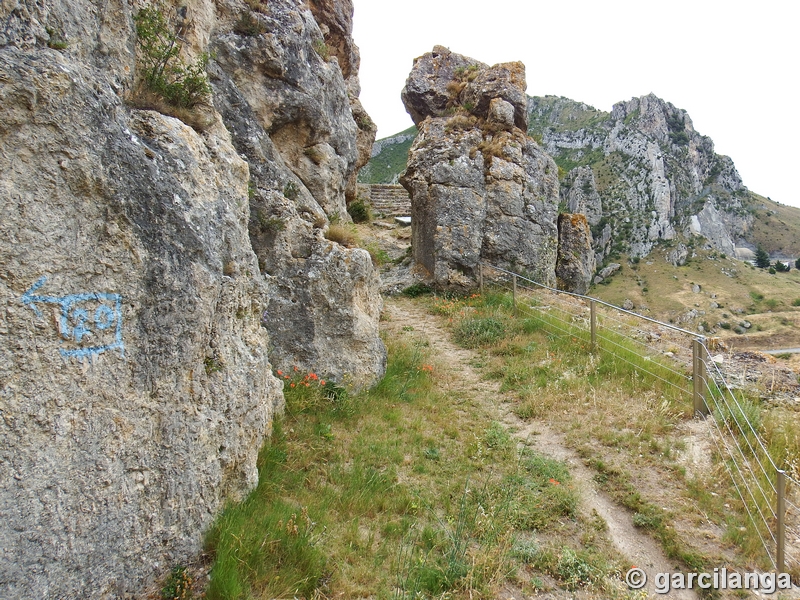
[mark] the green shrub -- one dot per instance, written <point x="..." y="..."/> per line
<point x="360" y="211"/>
<point x="56" y="41"/>
<point x="417" y="289"/>
<point x="762" y="258"/>
<point x="796" y="302"/>
<point x="322" y="49"/>
<point x="268" y="223"/>
<point x="291" y="191"/>
<point x="163" y="72"/>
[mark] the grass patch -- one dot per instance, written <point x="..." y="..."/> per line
<point x="381" y="494"/>
<point x="412" y="490"/>
<point x="479" y="331"/>
<point x="545" y="363"/>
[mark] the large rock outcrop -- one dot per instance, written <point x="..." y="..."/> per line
<point x="575" y="264"/>
<point x="480" y="188"/>
<point x="282" y="96"/>
<point x="146" y="271"/>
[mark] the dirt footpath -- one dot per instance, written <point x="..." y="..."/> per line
<point x="640" y="549"/>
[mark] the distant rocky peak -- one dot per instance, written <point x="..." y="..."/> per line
<point x="645" y="169"/>
<point x="656" y="118"/>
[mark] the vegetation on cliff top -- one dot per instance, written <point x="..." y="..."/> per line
<point x="166" y="83"/>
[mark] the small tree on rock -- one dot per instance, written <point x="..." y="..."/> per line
<point x="762" y="258"/>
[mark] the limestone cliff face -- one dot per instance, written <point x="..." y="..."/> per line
<point x="148" y="269"/>
<point x="282" y="96"/>
<point x="480" y="188"/>
<point x="653" y="176"/>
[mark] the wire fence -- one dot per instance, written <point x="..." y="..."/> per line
<point x="680" y="359"/>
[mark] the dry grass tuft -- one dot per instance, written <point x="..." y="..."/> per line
<point x="455" y="88"/>
<point x="341" y="235"/>
<point x="258" y="6"/>
<point x="199" y="118"/>
<point x="492" y="147"/>
<point x="461" y="122"/>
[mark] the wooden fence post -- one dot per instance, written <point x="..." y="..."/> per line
<point x="699" y="377"/>
<point x="514" y="294"/>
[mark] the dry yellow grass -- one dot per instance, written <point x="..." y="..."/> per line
<point x="731" y="292"/>
<point x="341" y="234"/>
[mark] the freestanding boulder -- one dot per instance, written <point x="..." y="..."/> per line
<point x="480" y="188"/>
<point x="576" y="261"/>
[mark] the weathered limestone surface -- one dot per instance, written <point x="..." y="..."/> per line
<point x="136" y="387"/>
<point x="480" y="188"/>
<point x="582" y="196"/>
<point x="289" y="113"/>
<point x="575" y="264"/>
<point x="147" y="270"/>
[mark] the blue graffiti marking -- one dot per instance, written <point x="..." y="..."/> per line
<point x="75" y="324"/>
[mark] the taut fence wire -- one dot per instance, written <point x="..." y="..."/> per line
<point x="658" y="350"/>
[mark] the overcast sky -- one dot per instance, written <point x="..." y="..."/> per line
<point x="733" y="67"/>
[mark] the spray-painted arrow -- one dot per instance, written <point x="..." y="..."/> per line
<point x="104" y="317"/>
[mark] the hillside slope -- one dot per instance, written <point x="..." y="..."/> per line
<point x="389" y="158"/>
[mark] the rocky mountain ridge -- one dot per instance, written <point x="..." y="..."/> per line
<point x="643" y="176"/>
